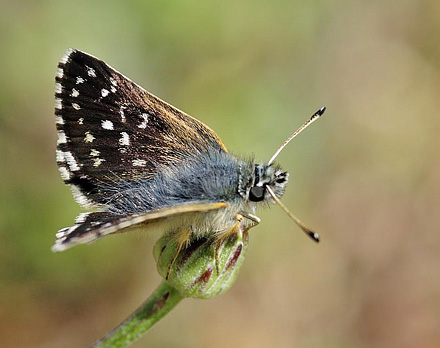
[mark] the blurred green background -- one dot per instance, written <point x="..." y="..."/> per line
<point x="366" y="176"/>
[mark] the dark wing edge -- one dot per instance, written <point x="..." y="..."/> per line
<point x="89" y="227"/>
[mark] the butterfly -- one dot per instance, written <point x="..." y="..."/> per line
<point x="139" y="162"/>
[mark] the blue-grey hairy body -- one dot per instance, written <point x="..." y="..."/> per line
<point x="215" y="176"/>
<point x="211" y="177"/>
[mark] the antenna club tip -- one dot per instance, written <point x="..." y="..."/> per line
<point x="321" y="111"/>
<point x="314" y="236"/>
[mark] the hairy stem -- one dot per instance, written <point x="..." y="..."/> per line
<point x="161" y="301"/>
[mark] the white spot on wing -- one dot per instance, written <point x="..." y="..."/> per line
<point x="71" y="161"/>
<point x="76" y="106"/>
<point x="61" y="233"/>
<point x="59" y="120"/>
<point x="121" y="112"/>
<point x="66" y="55"/>
<point x="80" y="197"/>
<point x="74" y="93"/>
<point x="60" y="156"/>
<point x="61" y="236"/>
<point x="106" y="124"/>
<point x="94" y="153"/>
<point x="79" y="80"/>
<point x="97" y="162"/>
<point x="143" y="125"/>
<point x="113" y="81"/>
<point x="125" y="139"/>
<point x="139" y="163"/>
<point x="58" y="87"/>
<point x="113" y="89"/>
<point x="62" y="139"/>
<point x="58" y="104"/>
<point x="90" y="71"/>
<point x="81" y="120"/>
<point x="89" y="137"/>
<point x="60" y="73"/>
<point x="81" y="218"/>
<point x="104" y="92"/>
<point x="65" y="175"/>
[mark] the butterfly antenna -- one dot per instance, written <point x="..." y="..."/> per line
<point x="312" y="119"/>
<point x="304" y="228"/>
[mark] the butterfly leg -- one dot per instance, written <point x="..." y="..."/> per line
<point x="251" y="217"/>
<point x="183" y="238"/>
<point x="234" y="229"/>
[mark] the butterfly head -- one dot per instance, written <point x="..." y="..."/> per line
<point x="267" y="175"/>
<point x="270" y="179"/>
<point x="270" y="182"/>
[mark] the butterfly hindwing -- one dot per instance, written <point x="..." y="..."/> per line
<point x="112" y="130"/>
<point x="89" y="227"/>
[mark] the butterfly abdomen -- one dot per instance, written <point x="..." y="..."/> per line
<point x="208" y="177"/>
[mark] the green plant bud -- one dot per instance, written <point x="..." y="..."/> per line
<point x="197" y="272"/>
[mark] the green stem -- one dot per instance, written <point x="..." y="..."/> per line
<point x="161" y="301"/>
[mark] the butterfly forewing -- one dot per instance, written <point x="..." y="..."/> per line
<point x="111" y="130"/>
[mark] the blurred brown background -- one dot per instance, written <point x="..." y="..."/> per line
<point x="366" y="176"/>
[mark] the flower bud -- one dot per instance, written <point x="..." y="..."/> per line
<point x="197" y="272"/>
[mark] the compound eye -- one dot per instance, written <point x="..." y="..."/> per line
<point x="280" y="180"/>
<point x="256" y="194"/>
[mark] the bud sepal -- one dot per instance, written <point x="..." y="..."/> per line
<point x="204" y="269"/>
